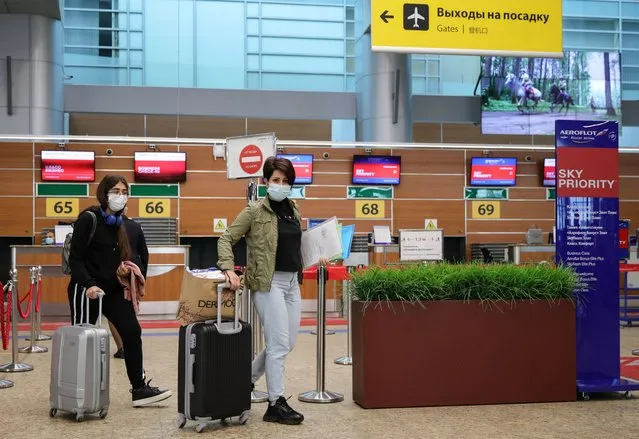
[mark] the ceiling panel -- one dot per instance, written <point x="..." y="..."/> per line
<point x="48" y="8"/>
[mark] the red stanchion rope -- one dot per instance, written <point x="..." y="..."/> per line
<point x="38" y="296"/>
<point x="5" y="315"/>
<point x="29" y="295"/>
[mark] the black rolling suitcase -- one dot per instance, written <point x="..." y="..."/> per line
<point x="214" y="369"/>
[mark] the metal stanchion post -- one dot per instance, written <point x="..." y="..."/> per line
<point x="4" y="292"/>
<point x="251" y="315"/>
<point x="33" y="348"/>
<point x="327" y="331"/>
<point x="39" y="336"/>
<point x="14" y="366"/>
<point x="320" y="394"/>
<point x="347" y="360"/>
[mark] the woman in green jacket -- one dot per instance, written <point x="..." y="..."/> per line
<point x="273" y="232"/>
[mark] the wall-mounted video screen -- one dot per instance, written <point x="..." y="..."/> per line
<point x="489" y="171"/>
<point x="526" y="95"/>
<point x="376" y="169"/>
<point x="303" y="165"/>
<point x="67" y="166"/>
<point x="160" y="167"/>
<point x="549" y="172"/>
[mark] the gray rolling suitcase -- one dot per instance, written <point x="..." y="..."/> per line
<point x="80" y="366"/>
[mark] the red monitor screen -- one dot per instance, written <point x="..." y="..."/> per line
<point x="549" y="172"/>
<point x="375" y="169"/>
<point x="303" y="165"/>
<point x="67" y="166"/>
<point x="488" y="171"/>
<point x="160" y="167"/>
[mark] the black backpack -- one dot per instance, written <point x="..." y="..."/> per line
<point x="66" y="248"/>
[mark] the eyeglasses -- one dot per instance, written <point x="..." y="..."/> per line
<point x="118" y="192"/>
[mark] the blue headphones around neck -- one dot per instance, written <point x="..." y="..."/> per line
<point x="111" y="220"/>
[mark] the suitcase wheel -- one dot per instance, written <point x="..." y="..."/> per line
<point x="79" y="417"/>
<point x="200" y="428"/>
<point x="103" y="413"/>
<point x="53" y="412"/>
<point x="244" y="417"/>
<point x="181" y="421"/>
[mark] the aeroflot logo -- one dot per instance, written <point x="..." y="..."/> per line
<point x="582" y="133"/>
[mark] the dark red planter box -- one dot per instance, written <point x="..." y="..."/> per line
<point x="463" y="353"/>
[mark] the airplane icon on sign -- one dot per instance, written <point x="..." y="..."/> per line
<point x="416" y="17"/>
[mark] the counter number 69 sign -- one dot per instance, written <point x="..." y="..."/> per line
<point x="486" y="210"/>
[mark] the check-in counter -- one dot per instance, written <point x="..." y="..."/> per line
<point x="162" y="292"/>
<point x="382" y="254"/>
<point x="530" y="254"/>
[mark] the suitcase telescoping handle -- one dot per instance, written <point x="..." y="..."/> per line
<point x="227" y="328"/>
<point x="84" y="295"/>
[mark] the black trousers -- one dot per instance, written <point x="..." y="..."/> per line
<point x="121" y="314"/>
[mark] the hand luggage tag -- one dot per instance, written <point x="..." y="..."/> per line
<point x="226" y="328"/>
<point x="88" y="322"/>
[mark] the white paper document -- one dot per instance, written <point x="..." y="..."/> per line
<point x="382" y="234"/>
<point x="322" y="241"/>
<point x="61" y="233"/>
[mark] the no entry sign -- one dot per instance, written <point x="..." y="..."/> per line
<point x="251" y="159"/>
<point x="246" y="154"/>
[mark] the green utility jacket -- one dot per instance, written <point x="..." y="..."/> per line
<point x="258" y="224"/>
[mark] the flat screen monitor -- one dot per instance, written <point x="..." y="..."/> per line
<point x="526" y="95"/>
<point x="303" y="165"/>
<point x="67" y="166"/>
<point x="160" y="167"/>
<point x="549" y="172"/>
<point x="488" y="171"/>
<point x="376" y="169"/>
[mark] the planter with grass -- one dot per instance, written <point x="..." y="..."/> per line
<point x="447" y="334"/>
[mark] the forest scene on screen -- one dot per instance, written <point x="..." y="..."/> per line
<point x="526" y="95"/>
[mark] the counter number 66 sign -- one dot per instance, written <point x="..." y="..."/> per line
<point x="154" y="208"/>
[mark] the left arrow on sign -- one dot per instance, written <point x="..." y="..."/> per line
<point x="385" y="16"/>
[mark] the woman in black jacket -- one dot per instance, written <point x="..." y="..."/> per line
<point x="140" y="257"/>
<point x="94" y="263"/>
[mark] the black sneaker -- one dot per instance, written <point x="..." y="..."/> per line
<point x="148" y="395"/>
<point x="282" y="413"/>
<point x="119" y="354"/>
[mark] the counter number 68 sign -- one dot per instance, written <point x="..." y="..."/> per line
<point x="370" y="209"/>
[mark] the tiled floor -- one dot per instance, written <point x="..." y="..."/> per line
<point x="24" y="408"/>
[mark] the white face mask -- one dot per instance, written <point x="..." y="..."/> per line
<point x="117" y="202"/>
<point x="48" y="241"/>
<point x="278" y="192"/>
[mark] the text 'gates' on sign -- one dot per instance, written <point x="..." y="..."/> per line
<point x="459" y="27"/>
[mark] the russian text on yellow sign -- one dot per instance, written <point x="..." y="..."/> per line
<point x="62" y="207"/>
<point x="370" y="209"/>
<point x="486" y="209"/>
<point x="154" y="208"/>
<point x="480" y="27"/>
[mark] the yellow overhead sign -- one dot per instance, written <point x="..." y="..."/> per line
<point x="461" y="27"/>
